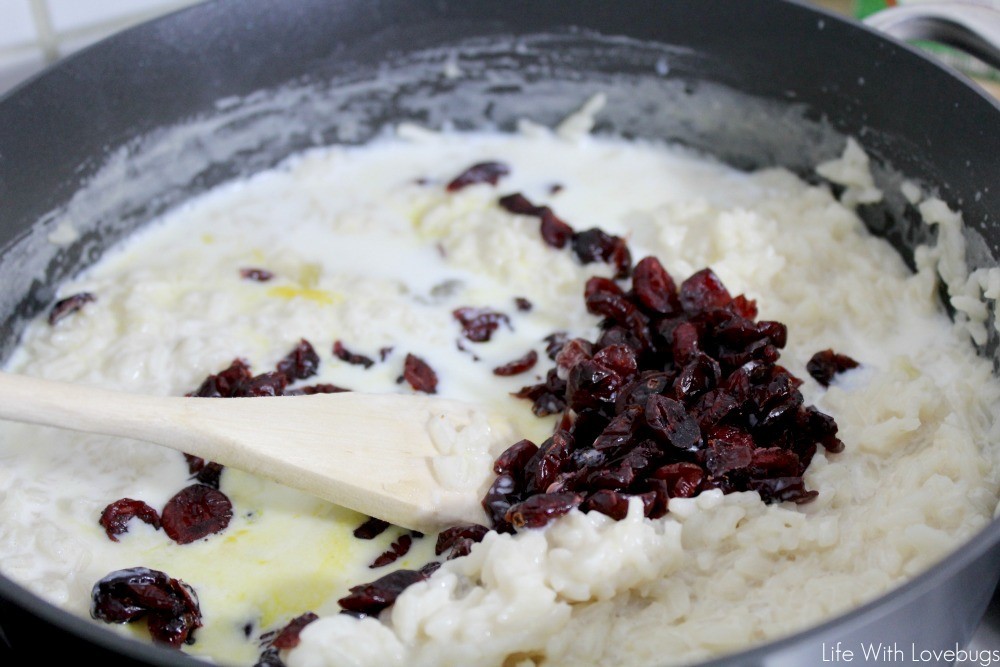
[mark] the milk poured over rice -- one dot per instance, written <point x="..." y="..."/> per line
<point x="368" y="248"/>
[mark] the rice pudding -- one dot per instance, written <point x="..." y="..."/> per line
<point x="369" y="249"/>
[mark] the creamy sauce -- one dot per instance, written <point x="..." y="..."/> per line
<point x="368" y="248"/>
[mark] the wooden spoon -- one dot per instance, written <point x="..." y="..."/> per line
<point x="380" y="454"/>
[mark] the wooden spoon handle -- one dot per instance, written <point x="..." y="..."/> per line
<point x="88" y="409"/>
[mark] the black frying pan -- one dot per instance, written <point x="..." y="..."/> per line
<point x="129" y="128"/>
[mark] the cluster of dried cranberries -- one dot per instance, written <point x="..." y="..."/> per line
<point x="680" y="393"/>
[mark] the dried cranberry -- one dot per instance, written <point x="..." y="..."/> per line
<point x="777" y="402"/>
<point x="620" y="359"/>
<point x="729" y="449"/>
<point x="396" y="550"/>
<point x="514" y="458"/>
<point x="125" y="595"/>
<point x="172" y="631"/>
<point x="429" y="568"/>
<point x="520" y="205"/>
<point x="449" y="537"/>
<point x="637" y="392"/>
<point x="210" y="474"/>
<point x="372" y="598"/>
<point x="420" y="376"/>
<point x="324" y="388"/>
<point x="343" y="354"/>
<point x="370" y="529"/>
<point x="461" y="547"/>
<point x="712" y="407"/>
<point x="703" y="291"/>
<point x="195" y="463"/>
<point x="682" y="478"/>
<point x="195" y="512"/>
<point x="538" y="510"/>
<point x="654" y="287"/>
<point x="115" y="517"/>
<point x="619" y="335"/>
<point x="552" y="456"/>
<point x="617" y="476"/>
<point x="827" y="363"/>
<point x="733" y="331"/>
<point x="66" y="307"/>
<point x="592" y="245"/>
<point x="555" y="232"/>
<point x="740" y="381"/>
<point x="654" y="503"/>
<point x="775" y="462"/>
<point x="604" y="297"/>
<point x="522" y="304"/>
<point x="572" y="353"/>
<point x="699" y="375"/>
<point x="672" y="423"/>
<point x="781" y="489"/>
<point x="620" y="258"/>
<point x="567" y="480"/>
<point x="759" y="350"/>
<point x="288" y="636"/>
<point x="682" y="336"/>
<point x="478" y="324"/>
<point x="822" y="428"/>
<point x="638" y="325"/>
<point x="517" y="366"/>
<point x="300" y="363"/>
<point x="498" y="500"/>
<point x="620" y="430"/>
<point x="733" y="435"/>
<point x="548" y="404"/>
<point x="554" y="342"/>
<point x="591" y="384"/>
<point x="483" y="172"/>
<point x="743" y="306"/>
<point x="548" y="397"/>
<point x="169" y="605"/>
<point x="775" y="332"/>
<point x="258" y="275"/>
<point x="606" y="501"/>
<point x="265" y="384"/>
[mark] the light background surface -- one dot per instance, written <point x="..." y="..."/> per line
<point x="36" y="33"/>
